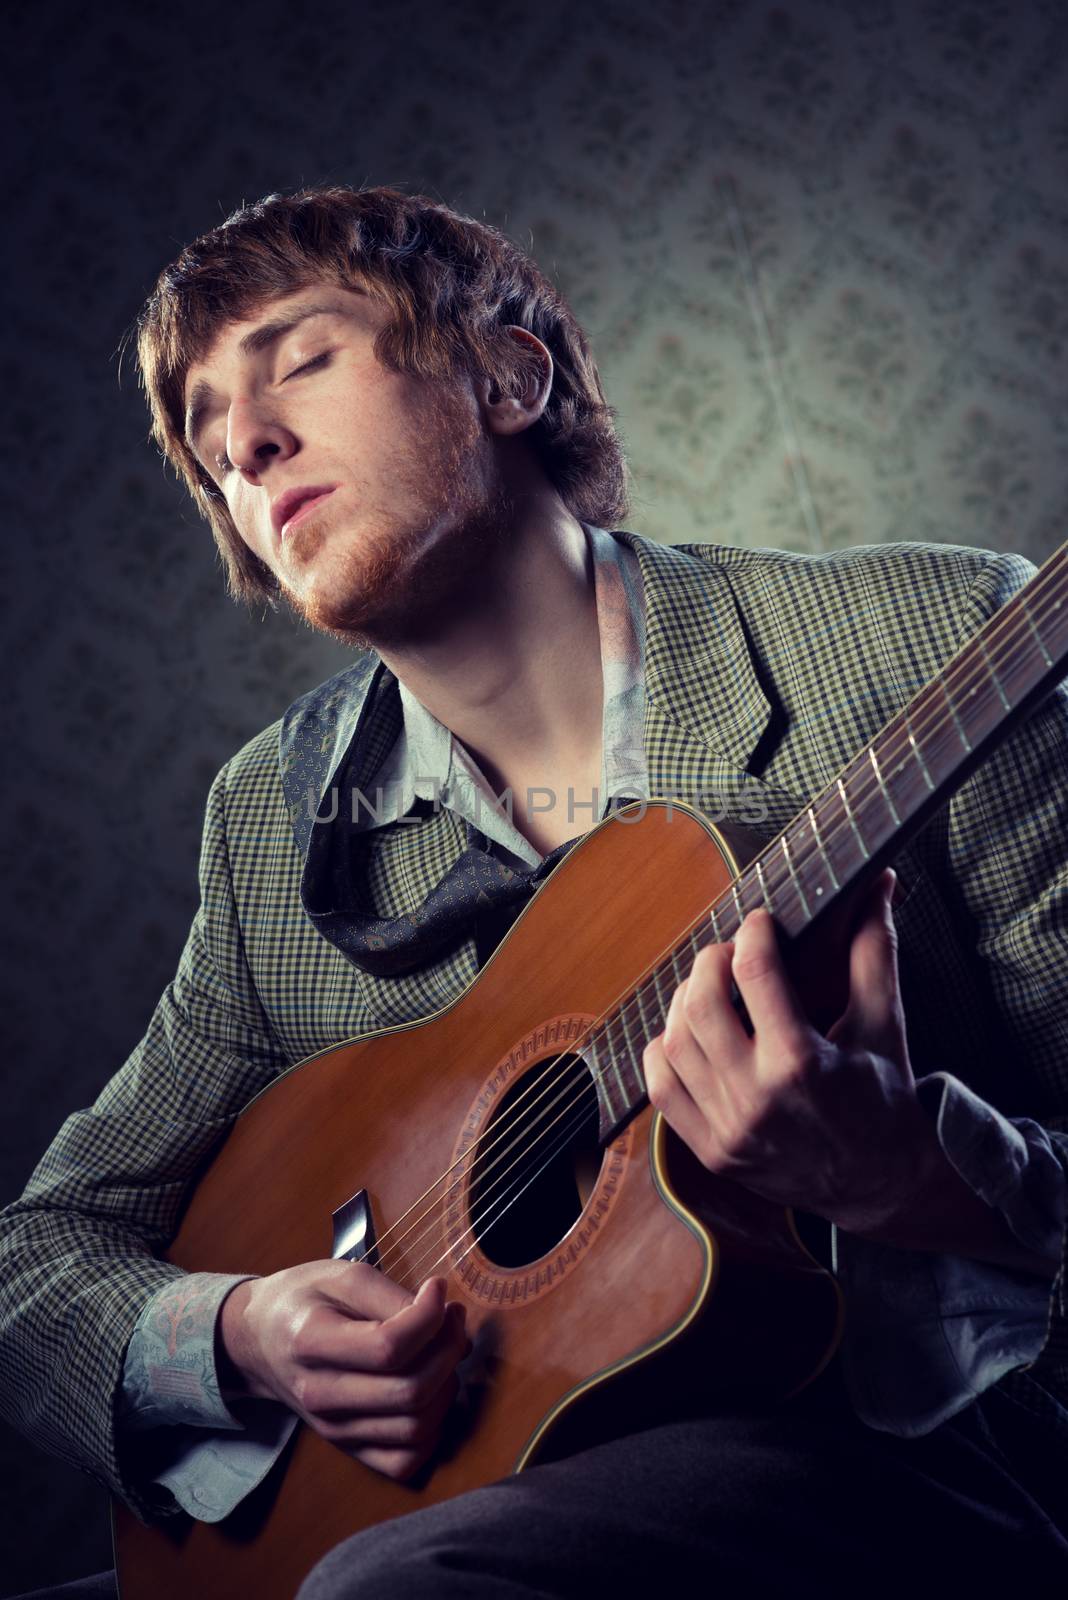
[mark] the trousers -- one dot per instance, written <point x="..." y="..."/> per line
<point x="803" y="1500"/>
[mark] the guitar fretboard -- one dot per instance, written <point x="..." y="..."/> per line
<point x="862" y="818"/>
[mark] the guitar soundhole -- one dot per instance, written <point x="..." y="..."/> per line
<point x="535" y="1163"/>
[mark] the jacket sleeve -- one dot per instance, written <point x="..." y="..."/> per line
<point x="928" y="1334"/>
<point x="1008" y="853"/>
<point x="78" y="1250"/>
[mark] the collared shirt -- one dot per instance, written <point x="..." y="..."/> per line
<point x="927" y="1333"/>
<point x="429" y="763"/>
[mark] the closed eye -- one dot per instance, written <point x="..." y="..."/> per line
<point x="309" y="366"/>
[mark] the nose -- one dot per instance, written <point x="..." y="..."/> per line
<point x="254" y="438"/>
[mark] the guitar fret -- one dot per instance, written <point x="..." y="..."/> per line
<point x="648" y="1028"/>
<point x="714" y="920"/>
<point x="820" y="847"/>
<point x="616" y="1055"/>
<point x="763" y="887"/>
<point x="852" y="818"/>
<point x="739" y="908"/>
<point x="624" y="1022"/>
<point x="796" y="880"/>
<point x="995" y="680"/>
<point x="1025" y="608"/>
<point x="928" y="780"/>
<point x="887" y="796"/>
<point x="606" y="1078"/>
<point x="965" y="741"/>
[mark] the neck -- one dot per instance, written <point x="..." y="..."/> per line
<point x="513" y="668"/>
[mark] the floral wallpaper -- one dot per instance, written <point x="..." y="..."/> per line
<point x="822" y="252"/>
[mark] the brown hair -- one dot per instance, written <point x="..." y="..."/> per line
<point x="452" y="286"/>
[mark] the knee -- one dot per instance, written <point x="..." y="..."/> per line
<point x="364" y="1567"/>
<point x="397" y="1560"/>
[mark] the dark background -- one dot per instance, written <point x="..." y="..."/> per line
<point x="822" y="252"/>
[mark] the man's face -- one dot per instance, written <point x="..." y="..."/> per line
<point x="364" y="490"/>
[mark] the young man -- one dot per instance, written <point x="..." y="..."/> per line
<point x="394" y="424"/>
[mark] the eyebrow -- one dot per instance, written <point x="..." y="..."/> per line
<point x="253" y="343"/>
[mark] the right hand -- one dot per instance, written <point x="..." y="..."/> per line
<point x="369" y="1366"/>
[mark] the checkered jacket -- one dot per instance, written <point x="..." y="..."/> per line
<point x="765" y="672"/>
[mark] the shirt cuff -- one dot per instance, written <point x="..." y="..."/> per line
<point x="926" y="1333"/>
<point x="169" y="1377"/>
<point x="210" y="1474"/>
<point x="1011" y="1165"/>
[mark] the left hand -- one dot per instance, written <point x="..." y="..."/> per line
<point x="829" y="1123"/>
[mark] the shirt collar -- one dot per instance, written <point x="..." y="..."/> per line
<point x="698" y="668"/>
<point x="428" y="763"/>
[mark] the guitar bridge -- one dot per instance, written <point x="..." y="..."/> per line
<point x="354" y="1231"/>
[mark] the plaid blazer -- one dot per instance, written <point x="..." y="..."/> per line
<point x="765" y="672"/>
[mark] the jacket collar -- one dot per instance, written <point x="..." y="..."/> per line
<point x="699" y="667"/>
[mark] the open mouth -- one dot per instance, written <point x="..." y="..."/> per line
<point x="304" y="509"/>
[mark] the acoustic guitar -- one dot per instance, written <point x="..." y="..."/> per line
<point x="507" y="1143"/>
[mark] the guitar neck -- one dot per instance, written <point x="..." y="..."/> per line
<point x="864" y="816"/>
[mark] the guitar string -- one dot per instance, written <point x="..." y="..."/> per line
<point x="655" y="967"/>
<point x="947" y="679"/>
<point x="635" y="997"/>
<point x="479" y="1226"/>
<point x="512" y="1193"/>
<point x="544" y="1161"/>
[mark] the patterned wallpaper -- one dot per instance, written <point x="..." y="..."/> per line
<point x="821" y="249"/>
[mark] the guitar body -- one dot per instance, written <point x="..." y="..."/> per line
<point x="663" y="1277"/>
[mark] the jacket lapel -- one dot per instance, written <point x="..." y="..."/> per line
<point x="706" y="707"/>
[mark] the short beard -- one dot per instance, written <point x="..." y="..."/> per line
<point x="394" y="593"/>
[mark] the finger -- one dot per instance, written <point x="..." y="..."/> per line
<point x="335" y="1394"/>
<point x="407" y="1430"/>
<point x="703" y="1025"/>
<point x="361" y="1290"/>
<point x="389" y="1399"/>
<point x="669" y="1095"/>
<point x="873" y="1014"/>
<point x="775" y="1011"/>
<point x="397" y="1464"/>
<point x="334" y="1337"/>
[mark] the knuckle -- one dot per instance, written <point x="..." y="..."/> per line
<point x="806" y="1062"/>
<point x="660" y="1097"/>
<point x="657" y="1080"/>
<point x="698" y="1007"/>
<point x="705" y="964"/>
<point x="750" y="966"/>
<point x="303" y="1335"/>
<point x="384" y="1347"/>
<point x="412" y="1431"/>
<point x="710" y="1155"/>
<point x="732" y="1146"/>
<point x="404" y="1393"/>
<point x="675" y="1037"/>
<point x="304" y="1389"/>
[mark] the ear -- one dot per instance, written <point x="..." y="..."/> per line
<point x="509" y="414"/>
